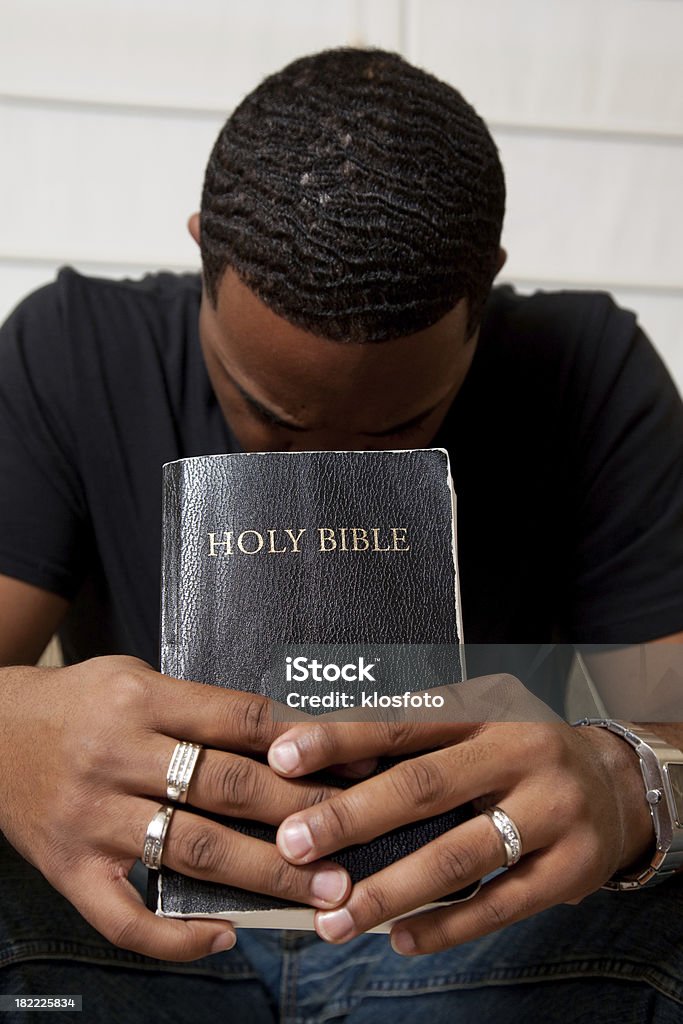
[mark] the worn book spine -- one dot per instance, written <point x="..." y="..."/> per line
<point x="273" y="559"/>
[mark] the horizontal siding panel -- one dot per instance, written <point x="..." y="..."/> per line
<point x="610" y="65"/>
<point x="120" y="187"/>
<point x="593" y="210"/>
<point x="205" y="54"/>
<point x="106" y="187"/>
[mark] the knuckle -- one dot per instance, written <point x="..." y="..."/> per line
<point x="311" y="796"/>
<point x="395" y="734"/>
<point x="421" y="780"/>
<point x="452" y="865"/>
<point x="493" y="914"/>
<point x="283" y="879"/>
<point x="257" y="720"/>
<point x="253" y="721"/>
<point x="375" y="903"/>
<point x="236" y="783"/>
<point x="471" y="753"/>
<point x="129" y="690"/>
<point x="97" y="758"/>
<point x="198" y="850"/>
<point x="334" y="820"/>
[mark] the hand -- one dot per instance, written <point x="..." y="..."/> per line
<point x="85" y="751"/>
<point x="576" y="796"/>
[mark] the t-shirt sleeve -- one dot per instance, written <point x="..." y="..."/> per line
<point x="628" y="555"/>
<point x="43" y="522"/>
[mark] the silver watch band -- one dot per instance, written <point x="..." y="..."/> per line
<point x="656" y="758"/>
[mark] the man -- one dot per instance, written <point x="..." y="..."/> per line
<point x="349" y="233"/>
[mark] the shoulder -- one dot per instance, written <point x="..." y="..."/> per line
<point x="557" y="325"/>
<point x="581" y="348"/>
<point x="96" y="298"/>
<point x="78" y="318"/>
<point x="80" y="336"/>
<point x="583" y="310"/>
<point x="74" y="298"/>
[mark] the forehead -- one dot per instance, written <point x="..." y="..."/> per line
<point x="266" y="350"/>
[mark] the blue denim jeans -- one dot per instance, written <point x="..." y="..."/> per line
<point x="614" y="959"/>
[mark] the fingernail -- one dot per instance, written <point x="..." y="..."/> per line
<point x="226" y="940"/>
<point x="295" y="840"/>
<point x="335" y="926"/>
<point x="403" y="942"/>
<point x="284" y="757"/>
<point x="329" y="885"/>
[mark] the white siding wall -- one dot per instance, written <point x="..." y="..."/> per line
<point x="108" y="111"/>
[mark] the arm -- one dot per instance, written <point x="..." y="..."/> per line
<point x="29" y="617"/>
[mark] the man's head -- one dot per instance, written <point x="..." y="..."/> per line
<point x="359" y="197"/>
<point x="350" y="198"/>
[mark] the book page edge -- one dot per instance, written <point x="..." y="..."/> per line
<point x="290" y="918"/>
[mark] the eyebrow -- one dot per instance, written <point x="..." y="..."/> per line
<point x="275" y="418"/>
<point x="263" y="409"/>
<point x="412" y="422"/>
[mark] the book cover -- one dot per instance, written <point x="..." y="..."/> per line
<point x="271" y="560"/>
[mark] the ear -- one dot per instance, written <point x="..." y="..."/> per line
<point x="502" y="257"/>
<point x="193" y="227"/>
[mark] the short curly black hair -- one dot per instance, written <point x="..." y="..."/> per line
<point x="357" y="196"/>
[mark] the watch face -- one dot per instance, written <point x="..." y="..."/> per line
<point x="675" y="773"/>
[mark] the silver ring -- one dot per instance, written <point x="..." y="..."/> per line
<point x="180" y="770"/>
<point x="155" y="836"/>
<point x="508" y="832"/>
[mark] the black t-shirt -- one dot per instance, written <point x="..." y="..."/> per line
<point x="566" y="443"/>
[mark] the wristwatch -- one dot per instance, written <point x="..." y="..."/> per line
<point x="662" y="769"/>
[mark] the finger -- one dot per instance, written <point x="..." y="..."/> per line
<point x="412" y="790"/>
<point x="467" y="708"/>
<point x="218" y="717"/>
<point x="536" y="883"/>
<point x="221" y="782"/>
<point x="308" y="748"/>
<point x="192" y="711"/>
<point x="106" y="899"/>
<point x="201" y="848"/>
<point x="456" y="859"/>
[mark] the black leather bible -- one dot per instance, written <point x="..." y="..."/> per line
<point x="275" y="561"/>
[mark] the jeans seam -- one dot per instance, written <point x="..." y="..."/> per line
<point x="287" y="991"/>
<point x="22" y="952"/>
<point x="598" y="968"/>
